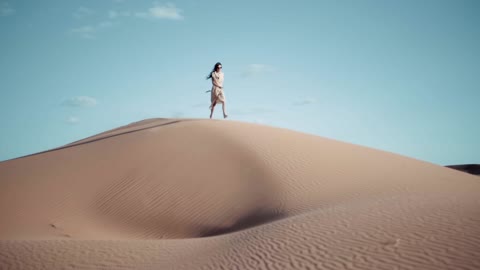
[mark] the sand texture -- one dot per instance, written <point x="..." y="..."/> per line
<point x="215" y="194"/>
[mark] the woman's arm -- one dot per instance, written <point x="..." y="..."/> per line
<point x="214" y="82"/>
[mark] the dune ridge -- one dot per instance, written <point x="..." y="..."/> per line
<point x="203" y="194"/>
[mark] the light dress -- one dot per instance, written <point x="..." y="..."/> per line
<point x="217" y="95"/>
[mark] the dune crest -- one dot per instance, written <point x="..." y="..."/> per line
<point x="206" y="194"/>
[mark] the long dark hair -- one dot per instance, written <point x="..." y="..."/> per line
<point x="214" y="69"/>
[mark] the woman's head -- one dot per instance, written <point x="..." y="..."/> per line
<point x="216" y="68"/>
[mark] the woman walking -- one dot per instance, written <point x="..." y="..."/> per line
<point x="216" y="94"/>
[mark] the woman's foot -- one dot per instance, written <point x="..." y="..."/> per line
<point x="225" y="116"/>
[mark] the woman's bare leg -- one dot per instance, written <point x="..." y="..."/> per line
<point x="212" y="107"/>
<point x="223" y="108"/>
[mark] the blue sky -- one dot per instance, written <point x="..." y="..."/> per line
<point x="400" y="76"/>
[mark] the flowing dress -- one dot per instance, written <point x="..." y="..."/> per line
<point x="217" y="95"/>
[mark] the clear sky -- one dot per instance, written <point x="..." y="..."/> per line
<point x="400" y="76"/>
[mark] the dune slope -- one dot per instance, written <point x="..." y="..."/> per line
<point x="203" y="194"/>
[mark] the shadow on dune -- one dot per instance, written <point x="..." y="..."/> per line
<point x="255" y="218"/>
<point x="152" y="199"/>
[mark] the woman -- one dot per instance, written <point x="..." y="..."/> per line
<point x="217" y="95"/>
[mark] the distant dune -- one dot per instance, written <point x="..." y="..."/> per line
<point x="214" y="194"/>
<point x="468" y="168"/>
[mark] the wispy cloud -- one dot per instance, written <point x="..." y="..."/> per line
<point x="80" y="101"/>
<point x="306" y="101"/>
<point x="168" y="11"/>
<point x="256" y="70"/>
<point x="259" y="121"/>
<point x="87" y="32"/>
<point x="82" y="12"/>
<point x="91" y="31"/>
<point x="72" y="120"/>
<point x="201" y="105"/>
<point x="157" y="12"/>
<point x="6" y="9"/>
<point x="113" y="14"/>
<point x="177" y="114"/>
<point x="250" y="111"/>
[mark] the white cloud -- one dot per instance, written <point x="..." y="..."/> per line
<point x="201" y="105"/>
<point x="257" y="69"/>
<point x="158" y="11"/>
<point x="113" y="14"/>
<point x="72" y="120"/>
<point x="6" y="9"/>
<point x="81" y="101"/>
<point x="105" y="24"/>
<point x="82" y="12"/>
<point x="168" y="11"/>
<point x="250" y="111"/>
<point x="177" y="115"/>
<point x="90" y="31"/>
<point x="306" y="101"/>
<point x="87" y="32"/>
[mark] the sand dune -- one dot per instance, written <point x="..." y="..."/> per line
<point x="468" y="168"/>
<point x="207" y="194"/>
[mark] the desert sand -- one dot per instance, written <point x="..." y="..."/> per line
<point x="215" y="194"/>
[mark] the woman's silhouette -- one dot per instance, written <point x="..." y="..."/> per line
<point x="217" y="95"/>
